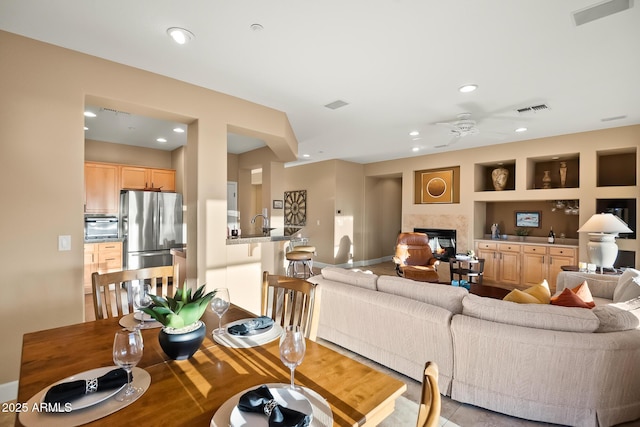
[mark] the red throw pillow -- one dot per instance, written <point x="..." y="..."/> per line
<point x="568" y="298"/>
<point x="584" y="293"/>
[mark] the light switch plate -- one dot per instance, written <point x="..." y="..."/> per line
<point x="64" y="243"/>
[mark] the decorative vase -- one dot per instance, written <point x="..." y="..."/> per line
<point x="499" y="177"/>
<point x="546" y="179"/>
<point x="181" y="344"/>
<point x="563" y="174"/>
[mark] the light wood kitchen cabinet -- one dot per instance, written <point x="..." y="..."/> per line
<point x="103" y="257"/>
<point x="502" y="262"/>
<point x="545" y="262"/>
<point x="101" y="188"/>
<point x="139" y="178"/>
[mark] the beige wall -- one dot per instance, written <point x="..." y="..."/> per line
<point x="383" y="216"/>
<point x="43" y="173"/>
<point x="470" y="218"/>
<point x="99" y="151"/>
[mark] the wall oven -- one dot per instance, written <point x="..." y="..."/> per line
<point x="100" y="227"/>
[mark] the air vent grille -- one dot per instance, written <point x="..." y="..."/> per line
<point x="533" y="109"/>
<point x="336" y="104"/>
<point x="111" y="110"/>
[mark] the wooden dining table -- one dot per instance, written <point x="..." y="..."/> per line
<point x="189" y="392"/>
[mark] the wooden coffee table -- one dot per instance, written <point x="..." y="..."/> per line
<point x="488" y="291"/>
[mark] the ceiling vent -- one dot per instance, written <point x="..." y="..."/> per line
<point x="336" y="104"/>
<point x="111" y="110"/>
<point x="533" y="109"/>
<point x="600" y="10"/>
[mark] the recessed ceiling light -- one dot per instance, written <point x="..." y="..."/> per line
<point x="86" y="128"/>
<point x="521" y="130"/>
<point x="555" y="158"/>
<point x="161" y="140"/>
<point x="415" y="149"/>
<point x="414" y="133"/>
<point x="306" y="156"/>
<point x="178" y="130"/>
<point x="89" y="114"/>
<point x="180" y="35"/>
<point x="468" y="88"/>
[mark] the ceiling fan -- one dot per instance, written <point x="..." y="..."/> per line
<point x="462" y="127"/>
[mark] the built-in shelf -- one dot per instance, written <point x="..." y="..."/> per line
<point x="484" y="175"/>
<point x="617" y="167"/>
<point x="558" y="171"/>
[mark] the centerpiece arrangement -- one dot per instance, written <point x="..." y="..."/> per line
<point x="182" y="331"/>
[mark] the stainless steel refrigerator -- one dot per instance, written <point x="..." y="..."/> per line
<point x="151" y="224"/>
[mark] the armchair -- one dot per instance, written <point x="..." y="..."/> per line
<point x="414" y="258"/>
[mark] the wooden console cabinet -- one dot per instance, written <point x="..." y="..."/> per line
<point x="522" y="264"/>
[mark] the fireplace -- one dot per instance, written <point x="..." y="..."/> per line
<point x="441" y="241"/>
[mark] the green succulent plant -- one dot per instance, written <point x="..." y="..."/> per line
<point x="182" y="310"/>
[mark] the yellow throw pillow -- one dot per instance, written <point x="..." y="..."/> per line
<point x="538" y="294"/>
<point x="541" y="292"/>
<point x="521" y="297"/>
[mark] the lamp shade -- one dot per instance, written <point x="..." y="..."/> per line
<point x="605" y="223"/>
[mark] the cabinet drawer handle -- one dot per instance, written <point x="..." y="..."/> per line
<point x="109" y="259"/>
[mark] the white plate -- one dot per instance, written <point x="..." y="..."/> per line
<point x="285" y="397"/>
<point x="143" y="317"/>
<point x="141" y="379"/>
<point x="251" y="334"/>
<point x="322" y="414"/>
<point x="88" y="399"/>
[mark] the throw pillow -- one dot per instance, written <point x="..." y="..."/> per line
<point x="538" y="294"/>
<point x="568" y="298"/>
<point x="628" y="286"/>
<point x="584" y="293"/>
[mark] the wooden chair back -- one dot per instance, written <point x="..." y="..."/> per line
<point x="291" y="301"/>
<point x="429" y="411"/>
<point x="113" y="292"/>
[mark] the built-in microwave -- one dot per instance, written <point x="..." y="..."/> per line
<point x="100" y="227"/>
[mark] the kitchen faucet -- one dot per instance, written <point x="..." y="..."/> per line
<point x="265" y="221"/>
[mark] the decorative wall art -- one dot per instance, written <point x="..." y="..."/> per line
<point x="528" y="219"/>
<point x="437" y="186"/>
<point x="295" y="207"/>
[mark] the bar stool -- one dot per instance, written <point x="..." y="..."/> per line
<point x="300" y="254"/>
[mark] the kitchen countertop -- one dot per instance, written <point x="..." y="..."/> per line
<point x="274" y="235"/>
<point x="106" y="240"/>
<point x="531" y="240"/>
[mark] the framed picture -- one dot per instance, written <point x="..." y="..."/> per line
<point x="437" y="186"/>
<point x="295" y="207"/>
<point x="278" y="204"/>
<point x="528" y="219"/>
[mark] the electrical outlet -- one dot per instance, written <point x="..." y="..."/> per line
<point x="64" y="243"/>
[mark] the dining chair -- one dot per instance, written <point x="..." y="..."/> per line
<point x="429" y="411"/>
<point x="117" y="287"/>
<point x="291" y="301"/>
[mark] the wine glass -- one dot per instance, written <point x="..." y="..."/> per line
<point x="141" y="298"/>
<point x="292" y="349"/>
<point x="127" y="352"/>
<point x="220" y="304"/>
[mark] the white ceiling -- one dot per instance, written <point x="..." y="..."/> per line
<point x="397" y="63"/>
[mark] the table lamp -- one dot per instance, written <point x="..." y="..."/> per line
<point x="603" y="229"/>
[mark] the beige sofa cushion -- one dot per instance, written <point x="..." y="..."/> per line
<point x="539" y="316"/>
<point x="600" y="285"/>
<point x="628" y="286"/>
<point x="354" y="278"/>
<point x="445" y="296"/>
<point x="620" y="316"/>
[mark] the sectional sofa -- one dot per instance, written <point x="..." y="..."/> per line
<point x="565" y="365"/>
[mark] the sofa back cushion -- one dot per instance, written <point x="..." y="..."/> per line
<point x="620" y="316"/>
<point x="354" y="278"/>
<point x="538" y="316"/>
<point x="600" y="285"/>
<point x="628" y="286"/>
<point x="445" y="296"/>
